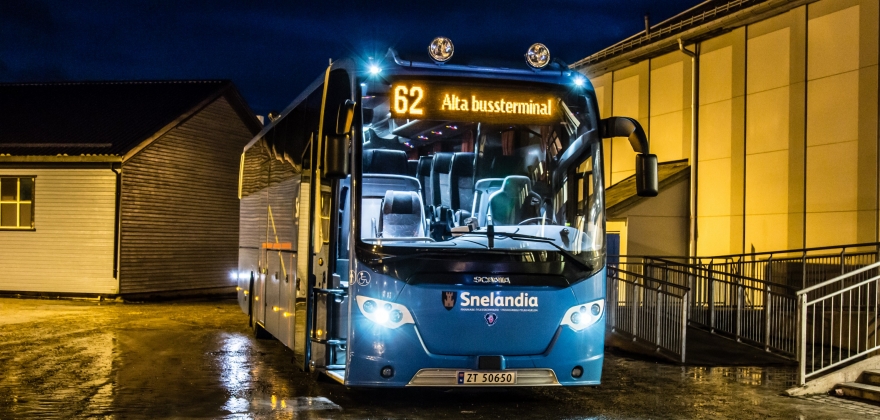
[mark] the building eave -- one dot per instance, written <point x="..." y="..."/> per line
<point x="656" y="42"/>
<point x="61" y="159"/>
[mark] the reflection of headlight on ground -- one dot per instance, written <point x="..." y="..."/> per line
<point x="387" y="314"/>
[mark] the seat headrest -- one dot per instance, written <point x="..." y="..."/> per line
<point x="442" y="163"/>
<point x="463" y="164"/>
<point x="424" y="168"/>
<point x="383" y="161"/>
<point x="516" y="183"/>
<point x="401" y="202"/>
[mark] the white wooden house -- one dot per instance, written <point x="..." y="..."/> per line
<point x="120" y="188"/>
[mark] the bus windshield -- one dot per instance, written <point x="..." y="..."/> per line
<point x="450" y="165"/>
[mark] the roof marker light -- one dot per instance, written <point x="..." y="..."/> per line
<point x="579" y="81"/>
<point x="374" y="69"/>
<point x="538" y="56"/>
<point x="441" y="49"/>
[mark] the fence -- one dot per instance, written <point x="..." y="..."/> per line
<point x="838" y="321"/>
<point x="648" y="310"/>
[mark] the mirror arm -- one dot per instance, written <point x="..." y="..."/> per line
<point x="625" y="127"/>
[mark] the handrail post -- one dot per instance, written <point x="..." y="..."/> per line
<point x="842" y="261"/>
<point x="802" y="339"/>
<point x="739" y="310"/>
<point x="684" y="321"/>
<point x="710" y="287"/>
<point x="767" y="314"/>
<point x="804" y="269"/>
<point x="658" y="314"/>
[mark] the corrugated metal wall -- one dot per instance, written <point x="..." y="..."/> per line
<point x="180" y="206"/>
<point x="71" y="250"/>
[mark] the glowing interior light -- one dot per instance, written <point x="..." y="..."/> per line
<point x="441" y="49"/>
<point x="538" y="56"/>
<point x="374" y="69"/>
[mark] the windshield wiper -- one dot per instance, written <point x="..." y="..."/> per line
<point x="521" y="236"/>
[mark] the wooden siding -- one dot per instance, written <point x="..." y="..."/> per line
<point x="180" y="206"/>
<point x="71" y="250"/>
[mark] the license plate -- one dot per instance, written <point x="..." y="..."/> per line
<point x="505" y="377"/>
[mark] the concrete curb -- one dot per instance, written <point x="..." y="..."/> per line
<point x="823" y="384"/>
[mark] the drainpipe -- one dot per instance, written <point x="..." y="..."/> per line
<point x="695" y="114"/>
<point x="117" y="229"/>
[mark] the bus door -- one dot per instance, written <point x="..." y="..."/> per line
<point x="326" y="303"/>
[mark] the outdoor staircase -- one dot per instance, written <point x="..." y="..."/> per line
<point x="866" y="388"/>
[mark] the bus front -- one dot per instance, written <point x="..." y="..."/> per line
<point x="477" y="233"/>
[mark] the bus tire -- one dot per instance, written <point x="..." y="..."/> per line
<point x="260" y="333"/>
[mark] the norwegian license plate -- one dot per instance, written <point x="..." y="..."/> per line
<point x="504" y="377"/>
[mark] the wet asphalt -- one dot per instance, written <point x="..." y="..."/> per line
<point x="64" y="359"/>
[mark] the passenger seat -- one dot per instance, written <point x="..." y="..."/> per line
<point x="514" y="202"/>
<point x="401" y="215"/>
<point x="383" y="161"/>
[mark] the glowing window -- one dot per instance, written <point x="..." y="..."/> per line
<point x="17" y="203"/>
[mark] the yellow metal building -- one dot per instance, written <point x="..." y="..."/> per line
<point x="784" y="94"/>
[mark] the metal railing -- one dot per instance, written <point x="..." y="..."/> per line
<point x="838" y="321"/>
<point x="795" y="268"/>
<point x="746" y="309"/>
<point x="670" y="27"/>
<point x="648" y="311"/>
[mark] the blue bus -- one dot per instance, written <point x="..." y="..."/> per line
<point x="424" y="223"/>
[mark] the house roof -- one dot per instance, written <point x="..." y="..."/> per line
<point x="92" y="119"/>
<point x="623" y="194"/>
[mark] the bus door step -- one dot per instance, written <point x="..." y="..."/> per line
<point x="341" y="292"/>
<point x="332" y="342"/>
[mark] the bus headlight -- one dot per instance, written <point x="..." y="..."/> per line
<point x="384" y="313"/>
<point x="582" y="316"/>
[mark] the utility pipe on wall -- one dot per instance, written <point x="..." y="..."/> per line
<point x="695" y="113"/>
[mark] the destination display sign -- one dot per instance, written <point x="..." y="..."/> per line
<point x="433" y="100"/>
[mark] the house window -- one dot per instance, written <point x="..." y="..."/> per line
<point x="16" y="202"/>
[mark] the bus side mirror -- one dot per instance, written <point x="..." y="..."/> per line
<point x="337" y="145"/>
<point x="345" y="117"/>
<point x="646" y="175"/>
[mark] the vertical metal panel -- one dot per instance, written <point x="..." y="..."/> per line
<point x="71" y="250"/>
<point x="180" y="206"/>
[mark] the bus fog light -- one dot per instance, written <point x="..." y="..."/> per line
<point x="579" y="318"/>
<point x="577" y="372"/>
<point x="387" y="372"/>
<point x="386" y="314"/>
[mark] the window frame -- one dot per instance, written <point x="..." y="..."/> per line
<point x="18" y="202"/>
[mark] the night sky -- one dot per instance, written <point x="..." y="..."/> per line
<point x="272" y="50"/>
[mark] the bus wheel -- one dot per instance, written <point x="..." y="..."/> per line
<point x="260" y="333"/>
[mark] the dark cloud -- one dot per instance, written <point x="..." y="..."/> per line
<point x="271" y="50"/>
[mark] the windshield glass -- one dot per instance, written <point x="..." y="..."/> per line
<point x="445" y="163"/>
